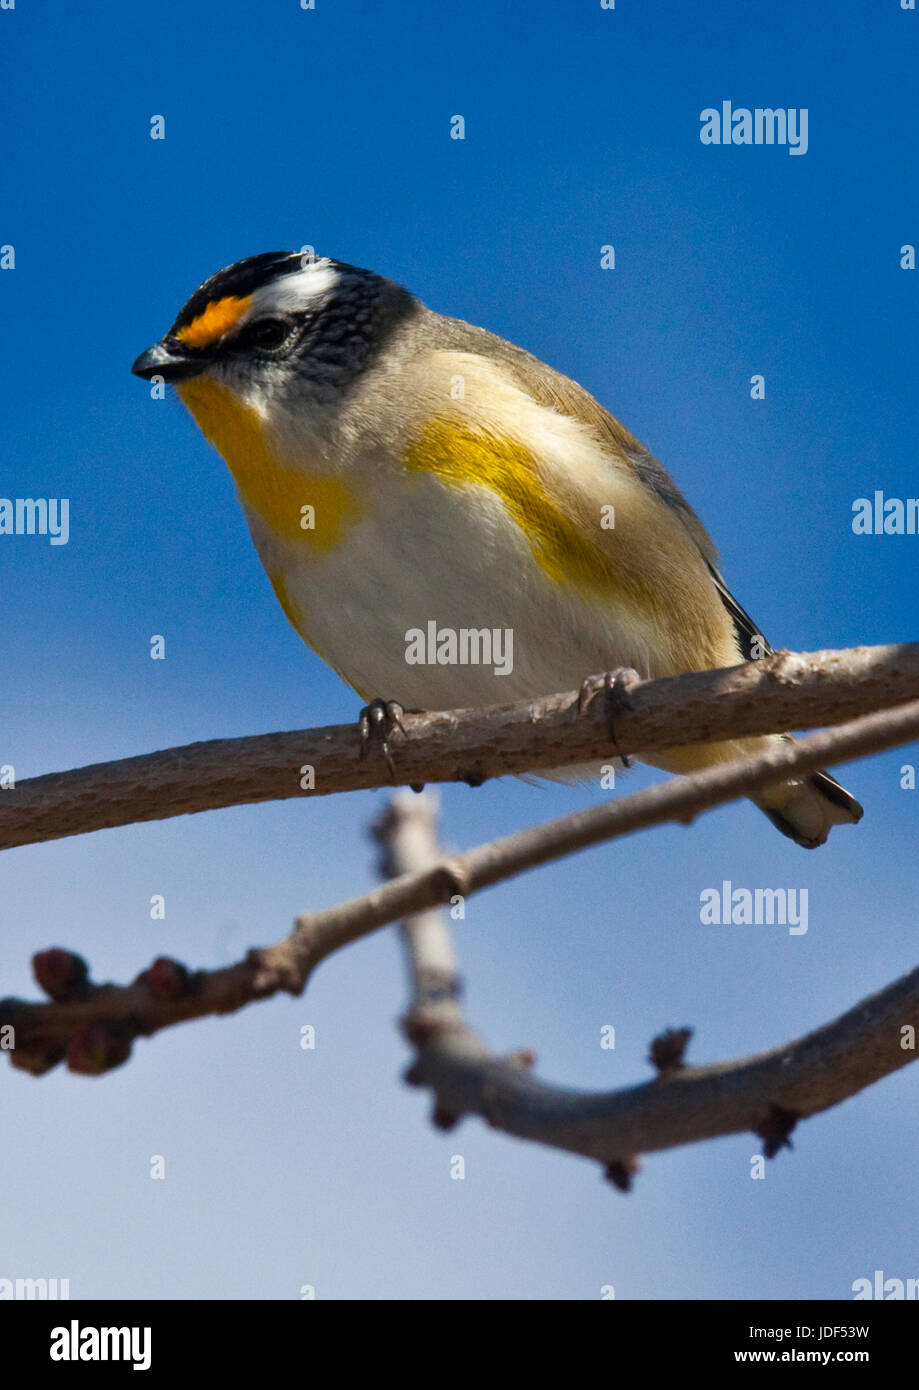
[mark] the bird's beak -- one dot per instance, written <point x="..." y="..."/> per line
<point x="170" y="360"/>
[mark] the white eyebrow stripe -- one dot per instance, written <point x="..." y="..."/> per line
<point x="303" y="288"/>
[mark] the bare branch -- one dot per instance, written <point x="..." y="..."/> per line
<point x="689" y="1104"/>
<point x="766" y="1094"/>
<point x="784" y="691"/>
<point x="408" y="846"/>
<point x="168" y="994"/>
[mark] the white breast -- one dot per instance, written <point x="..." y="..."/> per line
<point x="451" y="556"/>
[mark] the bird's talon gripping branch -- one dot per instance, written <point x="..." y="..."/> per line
<point x="615" y="687"/>
<point x="377" y="722"/>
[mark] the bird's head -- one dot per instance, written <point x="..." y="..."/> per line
<point x="275" y="328"/>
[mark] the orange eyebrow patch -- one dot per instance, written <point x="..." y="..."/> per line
<point x="217" y="319"/>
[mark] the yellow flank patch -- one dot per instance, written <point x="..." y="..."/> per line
<point x="292" y="610"/>
<point x="218" y="318"/>
<point x="462" y="456"/>
<point x="295" y="504"/>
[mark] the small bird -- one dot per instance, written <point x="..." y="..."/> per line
<point x="409" y="479"/>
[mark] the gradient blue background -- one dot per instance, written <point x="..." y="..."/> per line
<point x="331" y="128"/>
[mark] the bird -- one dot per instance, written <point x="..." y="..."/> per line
<point x="408" y="478"/>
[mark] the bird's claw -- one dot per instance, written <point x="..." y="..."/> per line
<point x="377" y="722"/>
<point x="615" y="687"/>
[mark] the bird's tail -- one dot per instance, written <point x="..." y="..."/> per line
<point x="803" y="808"/>
<point x="807" y="810"/>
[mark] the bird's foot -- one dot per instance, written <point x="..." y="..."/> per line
<point x="377" y="722"/>
<point x="615" y="687"/>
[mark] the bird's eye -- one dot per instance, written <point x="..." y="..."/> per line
<point x="267" y="333"/>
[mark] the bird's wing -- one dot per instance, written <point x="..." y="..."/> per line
<point x="550" y="388"/>
<point x="558" y="392"/>
<point x="752" y="642"/>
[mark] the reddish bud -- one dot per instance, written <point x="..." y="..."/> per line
<point x="36" y="1058"/>
<point x="96" y="1049"/>
<point x="61" y="974"/>
<point x="166" y="978"/>
<point x="621" y="1172"/>
<point x="668" y="1051"/>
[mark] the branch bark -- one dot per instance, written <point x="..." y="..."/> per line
<point x="783" y="691"/>
<point x="766" y="1094"/>
<point x="93" y="1016"/>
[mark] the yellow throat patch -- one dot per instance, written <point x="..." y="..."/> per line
<point x="295" y="504"/>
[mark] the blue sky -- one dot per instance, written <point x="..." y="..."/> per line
<point x="331" y="128"/>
